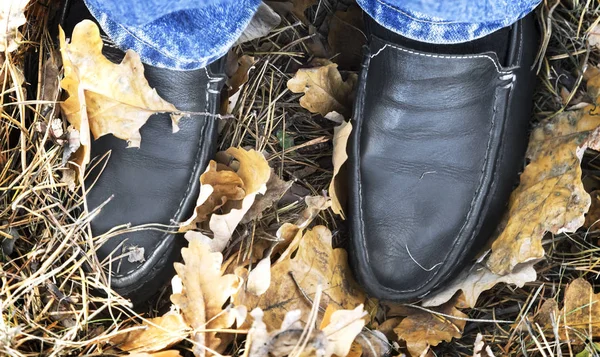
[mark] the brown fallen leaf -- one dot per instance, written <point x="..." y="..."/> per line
<point x="294" y="280"/>
<point x="580" y="315"/>
<point x="550" y="196"/>
<point x="341" y="134"/>
<point x="346" y="37"/>
<point x="159" y="333"/>
<point x="324" y="90"/>
<point x="104" y="97"/>
<point x="547" y="315"/>
<point x="205" y="291"/>
<point x="12" y="16"/>
<point x="276" y="188"/>
<point x="422" y="329"/>
<point x="243" y="65"/>
<point x="472" y="282"/>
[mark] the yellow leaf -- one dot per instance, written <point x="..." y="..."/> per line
<point x="294" y="280"/>
<point x="105" y="97"/>
<point x="341" y="134"/>
<point x="205" y="291"/>
<point x="580" y="316"/>
<point x="12" y="16"/>
<point x="422" y="329"/>
<point x="550" y="196"/>
<point x="324" y="90"/>
<point x="159" y="333"/>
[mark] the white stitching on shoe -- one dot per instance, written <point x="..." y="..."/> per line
<point x="433" y="55"/>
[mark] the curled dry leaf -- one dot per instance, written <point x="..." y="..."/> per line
<point x="159" y="333"/>
<point x="276" y="188"/>
<point x="472" y="282"/>
<point x="324" y="90"/>
<point x="104" y="97"/>
<point x="243" y="65"/>
<point x="346" y="37"/>
<point x="580" y="315"/>
<point x="294" y="280"/>
<point x="335" y="337"/>
<point x="550" y="196"/>
<point x="12" y="16"/>
<point x="234" y="192"/>
<point x="422" y="329"/>
<point x="342" y="329"/>
<point x="205" y="291"/>
<point x="341" y="134"/>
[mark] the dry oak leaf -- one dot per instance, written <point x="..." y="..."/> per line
<point x="159" y="333"/>
<point x="294" y="278"/>
<point x="550" y="196"/>
<point x="422" y="329"/>
<point x="218" y="185"/>
<point x="324" y="90"/>
<point x="341" y="134"/>
<point x="105" y="97"/>
<point x="12" y="16"/>
<point x="473" y="281"/>
<point x="205" y="291"/>
<point x="580" y="315"/>
<point x="276" y="188"/>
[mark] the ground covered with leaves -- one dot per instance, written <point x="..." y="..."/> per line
<point x="265" y="270"/>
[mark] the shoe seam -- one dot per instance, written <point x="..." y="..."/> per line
<point x="492" y="126"/>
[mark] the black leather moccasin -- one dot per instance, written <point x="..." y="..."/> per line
<point x="155" y="184"/>
<point x="439" y="138"/>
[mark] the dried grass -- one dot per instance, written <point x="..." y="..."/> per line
<point x="55" y="298"/>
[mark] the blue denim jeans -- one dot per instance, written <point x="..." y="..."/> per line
<point x="189" y="34"/>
